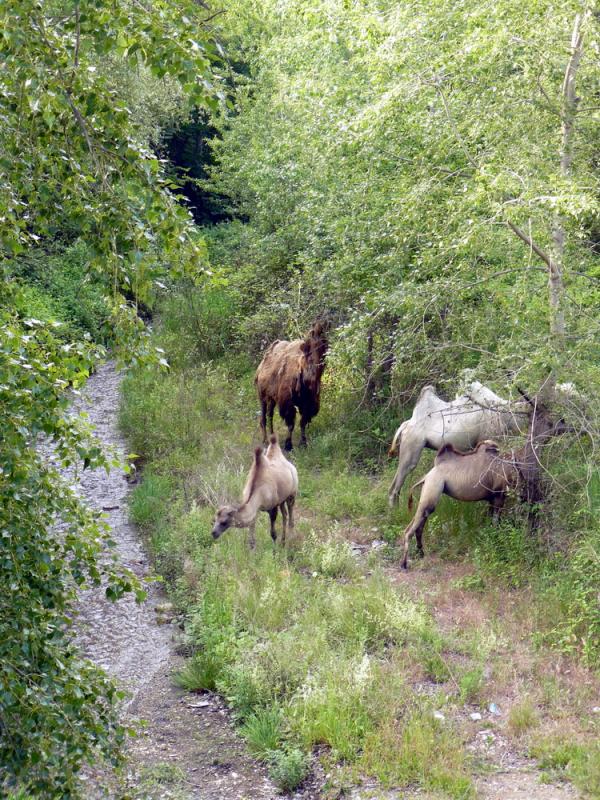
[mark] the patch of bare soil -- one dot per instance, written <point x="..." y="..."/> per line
<point x="187" y="747"/>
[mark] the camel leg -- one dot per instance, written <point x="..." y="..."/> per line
<point x="303" y="423"/>
<point x="430" y="497"/>
<point x="290" y="507"/>
<point x="419" y="537"/>
<point x="290" y="421"/>
<point x="284" y="517"/>
<point x="252" y="536"/>
<point x="496" y="504"/>
<point x="409" y="454"/>
<point x="273" y="517"/>
<point x="270" y="412"/>
<point x="263" y="420"/>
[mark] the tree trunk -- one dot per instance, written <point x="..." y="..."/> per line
<point x="568" y="112"/>
<point x="555" y="259"/>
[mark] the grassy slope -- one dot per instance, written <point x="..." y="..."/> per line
<point x="318" y="649"/>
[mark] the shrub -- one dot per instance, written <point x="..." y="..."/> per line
<point x="59" y="284"/>
<point x="571" y="593"/>
<point x="198" y="323"/>
<point x="288" y="768"/>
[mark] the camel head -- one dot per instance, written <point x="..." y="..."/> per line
<point x="224" y="519"/>
<point x="313" y="350"/>
<point x="542" y="424"/>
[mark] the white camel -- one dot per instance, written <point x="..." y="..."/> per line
<point x="463" y="422"/>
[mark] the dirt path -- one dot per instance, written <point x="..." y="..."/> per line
<point x="188" y="748"/>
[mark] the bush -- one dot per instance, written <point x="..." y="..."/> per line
<point x="288" y="769"/>
<point x="571" y="594"/>
<point x="198" y="323"/>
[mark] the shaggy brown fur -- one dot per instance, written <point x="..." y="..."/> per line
<point x="289" y="377"/>
<point x="485" y="474"/>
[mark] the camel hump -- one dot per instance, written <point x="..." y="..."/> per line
<point x="255" y="471"/>
<point x="447" y="450"/>
<point x="428" y="389"/>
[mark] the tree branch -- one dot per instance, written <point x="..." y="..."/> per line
<point x="454" y="127"/>
<point x="531" y="244"/>
<point x="81" y="122"/>
<point x="77" y="36"/>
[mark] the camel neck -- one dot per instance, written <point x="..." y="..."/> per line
<point x="247" y="512"/>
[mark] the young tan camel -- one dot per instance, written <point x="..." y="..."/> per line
<point x="272" y="484"/>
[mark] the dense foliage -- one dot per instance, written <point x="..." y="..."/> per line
<point x="88" y="220"/>
<point x="378" y="152"/>
<point x="417" y="172"/>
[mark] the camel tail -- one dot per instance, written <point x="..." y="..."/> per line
<point x="410" y="494"/>
<point x="395" y="442"/>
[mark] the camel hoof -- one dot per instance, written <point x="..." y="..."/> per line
<point x="404" y="565"/>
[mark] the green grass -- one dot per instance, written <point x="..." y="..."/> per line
<point x="522" y="717"/>
<point x="562" y="757"/>
<point x="199" y="673"/>
<point x="307" y="649"/>
<point x="263" y="731"/>
<point x="159" y="781"/>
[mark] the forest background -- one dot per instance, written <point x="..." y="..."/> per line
<point x="426" y="177"/>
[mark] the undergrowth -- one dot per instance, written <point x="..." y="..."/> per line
<point x="312" y="648"/>
<point x="307" y="648"/>
<point x="58" y="285"/>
